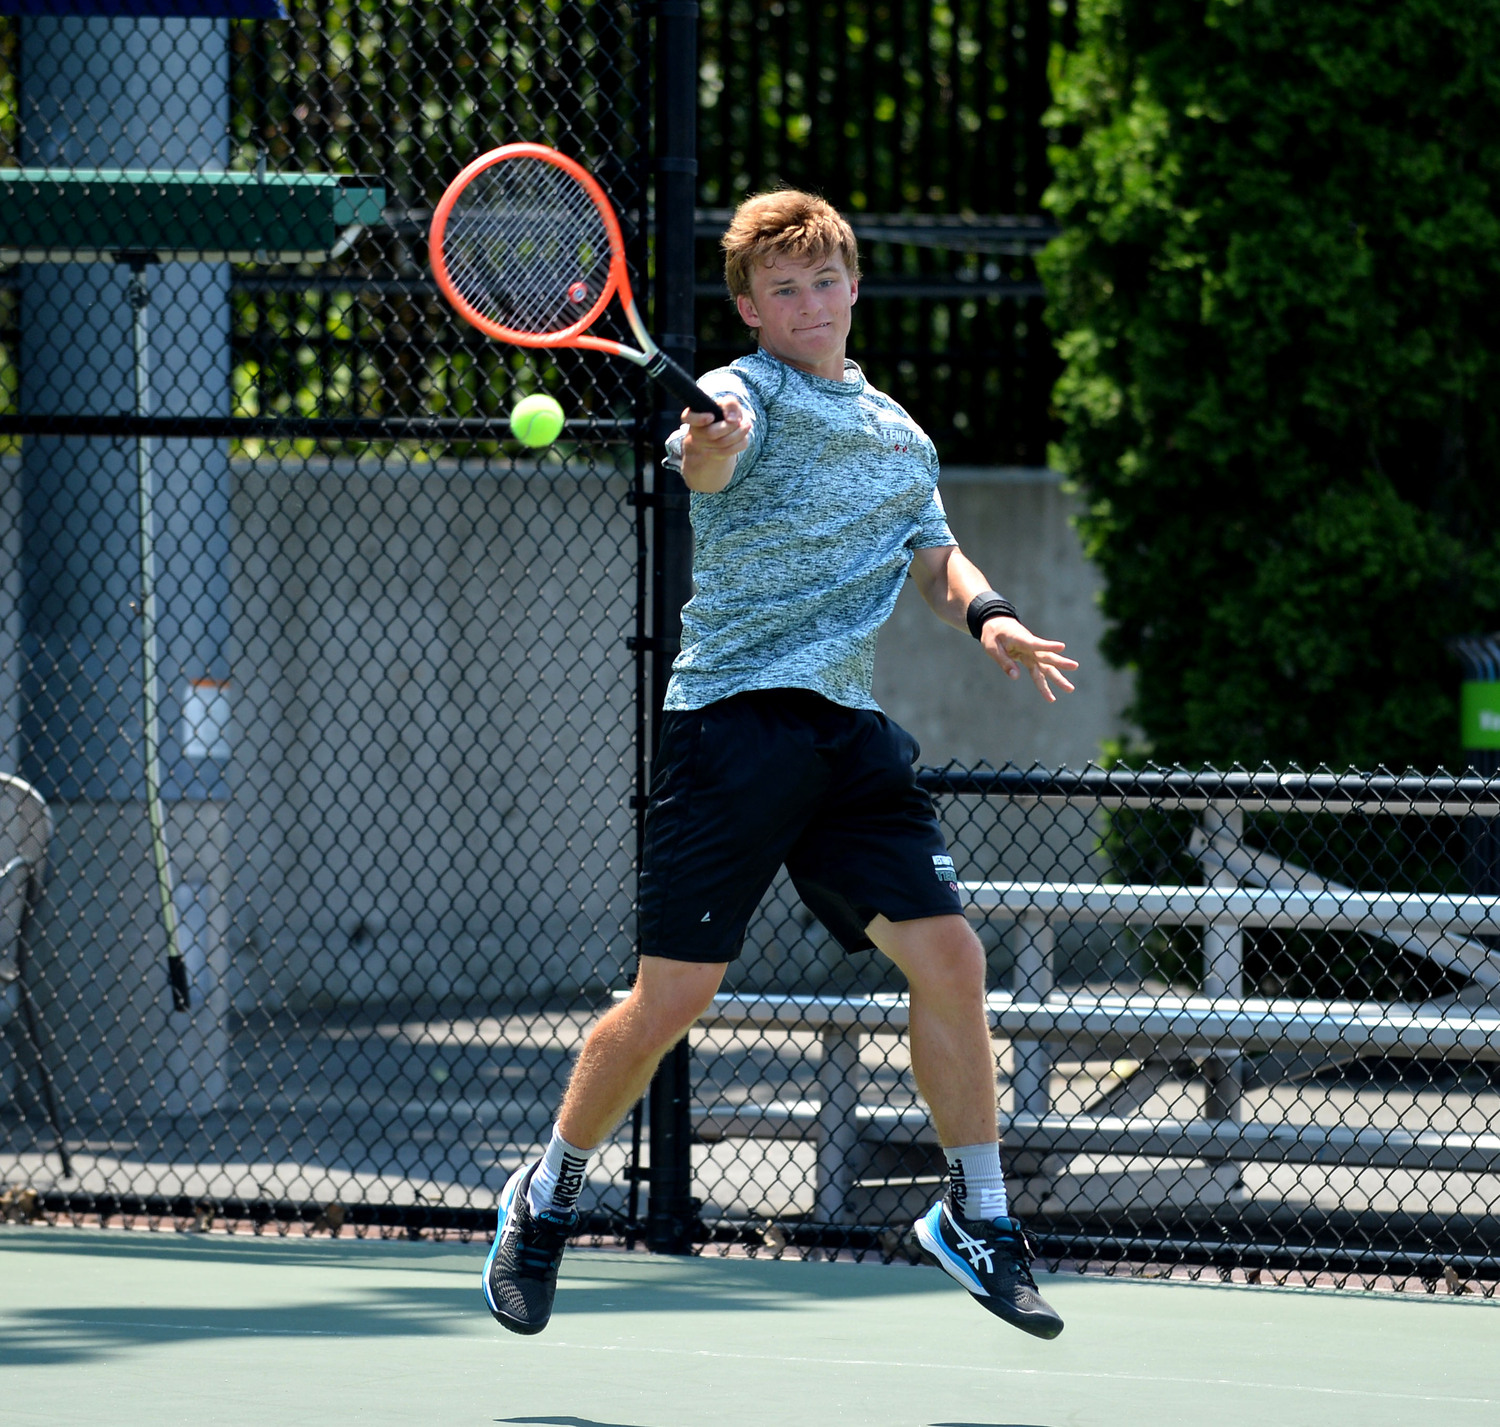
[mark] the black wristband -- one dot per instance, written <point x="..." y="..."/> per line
<point x="988" y="605"/>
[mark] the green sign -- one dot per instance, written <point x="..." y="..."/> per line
<point x="1480" y="715"/>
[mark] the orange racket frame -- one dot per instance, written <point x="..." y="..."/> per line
<point x="660" y="367"/>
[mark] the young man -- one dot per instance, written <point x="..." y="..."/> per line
<point x="813" y="499"/>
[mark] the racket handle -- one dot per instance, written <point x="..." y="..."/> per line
<point x="672" y="378"/>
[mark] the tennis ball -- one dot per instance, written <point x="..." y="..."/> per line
<point x="536" y="420"/>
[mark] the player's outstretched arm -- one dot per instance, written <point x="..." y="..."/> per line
<point x="710" y="448"/>
<point x="948" y="582"/>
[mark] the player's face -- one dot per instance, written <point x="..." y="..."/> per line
<point x="802" y="311"/>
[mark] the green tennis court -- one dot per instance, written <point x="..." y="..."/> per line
<point x="134" y="1328"/>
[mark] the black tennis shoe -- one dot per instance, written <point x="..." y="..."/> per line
<point x="992" y="1259"/>
<point x="520" y="1275"/>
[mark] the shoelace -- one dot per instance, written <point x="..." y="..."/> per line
<point x="1027" y="1252"/>
<point x="537" y="1253"/>
<point x="534" y="1261"/>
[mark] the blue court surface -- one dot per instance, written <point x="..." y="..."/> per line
<point x="109" y="1327"/>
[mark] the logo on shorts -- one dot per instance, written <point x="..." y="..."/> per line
<point x="945" y="870"/>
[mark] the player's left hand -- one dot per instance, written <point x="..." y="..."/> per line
<point x="1014" y="647"/>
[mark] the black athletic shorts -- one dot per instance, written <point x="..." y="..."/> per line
<point x="785" y="776"/>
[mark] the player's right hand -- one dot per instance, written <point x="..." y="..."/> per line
<point x="710" y="448"/>
<point x="711" y="440"/>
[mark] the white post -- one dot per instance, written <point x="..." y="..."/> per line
<point x="1223" y="943"/>
<point x="150" y="654"/>
<point x="1223" y="970"/>
<point x="837" y="1127"/>
<point x="1031" y="1078"/>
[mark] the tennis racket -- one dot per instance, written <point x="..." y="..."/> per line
<point x="526" y="246"/>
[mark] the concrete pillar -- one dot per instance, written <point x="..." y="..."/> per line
<point x="129" y="93"/>
<point x="1031" y="1076"/>
<point x="838" y="1126"/>
<point x="10" y="612"/>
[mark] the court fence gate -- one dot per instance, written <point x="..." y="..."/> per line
<point x="325" y="727"/>
<point x="321" y="699"/>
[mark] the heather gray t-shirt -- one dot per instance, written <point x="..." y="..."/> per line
<point x="797" y="562"/>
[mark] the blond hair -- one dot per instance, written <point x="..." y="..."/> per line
<point x="786" y="224"/>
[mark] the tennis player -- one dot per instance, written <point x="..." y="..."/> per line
<point x="813" y="499"/>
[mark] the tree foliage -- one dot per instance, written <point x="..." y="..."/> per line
<point x="1278" y="303"/>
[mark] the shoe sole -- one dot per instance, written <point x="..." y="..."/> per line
<point x="1047" y="1329"/>
<point x="507" y="1198"/>
<point x="932" y="1241"/>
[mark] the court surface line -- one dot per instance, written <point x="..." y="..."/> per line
<point x="199" y="1328"/>
<point x="1021" y="1372"/>
<point x="209" y="1329"/>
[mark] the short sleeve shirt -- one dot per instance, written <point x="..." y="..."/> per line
<point x="798" y="561"/>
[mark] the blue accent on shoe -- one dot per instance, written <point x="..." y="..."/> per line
<point x="930" y="1235"/>
<point x="507" y="1197"/>
<point x="520" y="1274"/>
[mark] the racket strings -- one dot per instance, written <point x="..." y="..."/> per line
<point x="526" y="247"/>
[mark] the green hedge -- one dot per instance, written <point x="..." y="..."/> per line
<point x="1278" y="302"/>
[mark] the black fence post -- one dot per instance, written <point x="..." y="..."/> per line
<point x="671" y="1210"/>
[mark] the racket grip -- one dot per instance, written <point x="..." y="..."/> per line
<point x="673" y="379"/>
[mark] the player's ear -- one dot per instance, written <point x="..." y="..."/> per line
<point x="746" y="307"/>
<point x="853" y="291"/>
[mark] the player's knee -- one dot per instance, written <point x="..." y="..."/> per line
<point x="670" y="995"/>
<point x="950" y="964"/>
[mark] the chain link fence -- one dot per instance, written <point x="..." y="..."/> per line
<point x="1243" y="1021"/>
<point x="320" y="714"/>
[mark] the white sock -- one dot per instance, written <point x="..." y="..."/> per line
<point x="977" y="1182"/>
<point x="559" y="1177"/>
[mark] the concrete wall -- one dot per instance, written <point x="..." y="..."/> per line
<point x="432" y="757"/>
<point x="1015" y="524"/>
<point x="434" y="730"/>
<point x="412" y="643"/>
<point x="431" y="770"/>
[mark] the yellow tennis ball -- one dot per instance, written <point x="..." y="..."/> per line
<point x="537" y="420"/>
